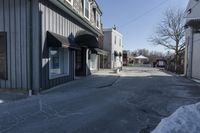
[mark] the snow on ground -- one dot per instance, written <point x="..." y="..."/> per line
<point x="1" y="101"/>
<point x="186" y="119"/>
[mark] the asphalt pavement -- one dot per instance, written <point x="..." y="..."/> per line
<point x="133" y="101"/>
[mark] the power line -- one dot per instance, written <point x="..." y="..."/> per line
<point x="145" y="13"/>
<point x="195" y="5"/>
<point x="188" y="11"/>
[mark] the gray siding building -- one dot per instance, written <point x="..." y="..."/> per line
<point x="44" y="43"/>
<point x="192" y="55"/>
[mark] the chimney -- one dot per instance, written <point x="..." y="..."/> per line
<point x="114" y="27"/>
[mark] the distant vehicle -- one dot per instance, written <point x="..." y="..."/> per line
<point x="160" y="63"/>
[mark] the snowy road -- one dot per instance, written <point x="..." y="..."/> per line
<point x="133" y="102"/>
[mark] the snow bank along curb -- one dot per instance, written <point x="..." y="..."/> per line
<point x="186" y="119"/>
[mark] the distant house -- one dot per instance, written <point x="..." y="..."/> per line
<point x="113" y="43"/>
<point x="141" y="59"/>
<point x="45" y="43"/>
<point x="192" y="52"/>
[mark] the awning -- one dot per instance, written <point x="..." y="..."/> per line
<point x="99" y="51"/>
<point x="120" y="54"/>
<point x="195" y="23"/>
<point x="116" y="53"/>
<point x="85" y="38"/>
<point x="56" y="40"/>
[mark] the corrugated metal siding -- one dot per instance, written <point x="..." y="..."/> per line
<point x="14" y="16"/>
<point x="55" y="20"/>
<point x="26" y="45"/>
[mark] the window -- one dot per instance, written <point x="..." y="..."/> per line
<point x="59" y="62"/>
<point x="95" y="15"/>
<point x="70" y="2"/>
<point x="120" y="42"/>
<point x="93" y="61"/>
<point x="86" y="9"/>
<point x="98" y="20"/>
<point x="115" y="40"/>
<point x="3" y="56"/>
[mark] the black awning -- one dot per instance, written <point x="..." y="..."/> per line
<point x="195" y="23"/>
<point x="85" y="38"/>
<point x="56" y="40"/>
<point x="116" y="53"/>
<point x="99" y="51"/>
<point x="120" y="54"/>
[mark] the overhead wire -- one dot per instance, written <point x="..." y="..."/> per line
<point x="190" y="9"/>
<point x="195" y="4"/>
<point x="145" y="13"/>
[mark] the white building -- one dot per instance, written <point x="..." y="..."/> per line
<point x="192" y="54"/>
<point x="113" y="44"/>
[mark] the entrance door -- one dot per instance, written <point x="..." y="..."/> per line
<point x="80" y="63"/>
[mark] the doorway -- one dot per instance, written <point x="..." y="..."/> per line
<point x="80" y="62"/>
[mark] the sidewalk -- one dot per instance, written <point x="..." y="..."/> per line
<point x="109" y="72"/>
<point x="94" y="81"/>
<point x="7" y="95"/>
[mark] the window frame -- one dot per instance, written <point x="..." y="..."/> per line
<point x="71" y="3"/>
<point x="98" y="18"/>
<point x="84" y="7"/>
<point x="64" y="57"/>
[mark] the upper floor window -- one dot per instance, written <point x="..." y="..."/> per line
<point x="98" y="20"/>
<point x="86" y="9"/>
<point x="70" y="2"/>
<point x="115" y="41"/>
<point x="120" y="42"/>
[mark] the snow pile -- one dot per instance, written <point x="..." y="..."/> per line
<point x="186" y="119"/>
<point x="1" y="101"/>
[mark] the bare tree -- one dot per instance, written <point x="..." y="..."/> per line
<point x="170" y="32"/>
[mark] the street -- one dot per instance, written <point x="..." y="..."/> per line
<point x="133" y="101"/>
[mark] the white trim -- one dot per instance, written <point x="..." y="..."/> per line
<point x="71" y="3"/>
<point x="88" y="18"/>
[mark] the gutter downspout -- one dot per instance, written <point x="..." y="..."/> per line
<point x="186" y="57"/>
<point x="30" y="47"/>
<point x="192" y="41"/>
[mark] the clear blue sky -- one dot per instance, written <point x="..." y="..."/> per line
<point x="133" y="21"/>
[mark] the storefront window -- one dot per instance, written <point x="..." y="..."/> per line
<point x="93" y="61"/>
<point x="58" y="62"/>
